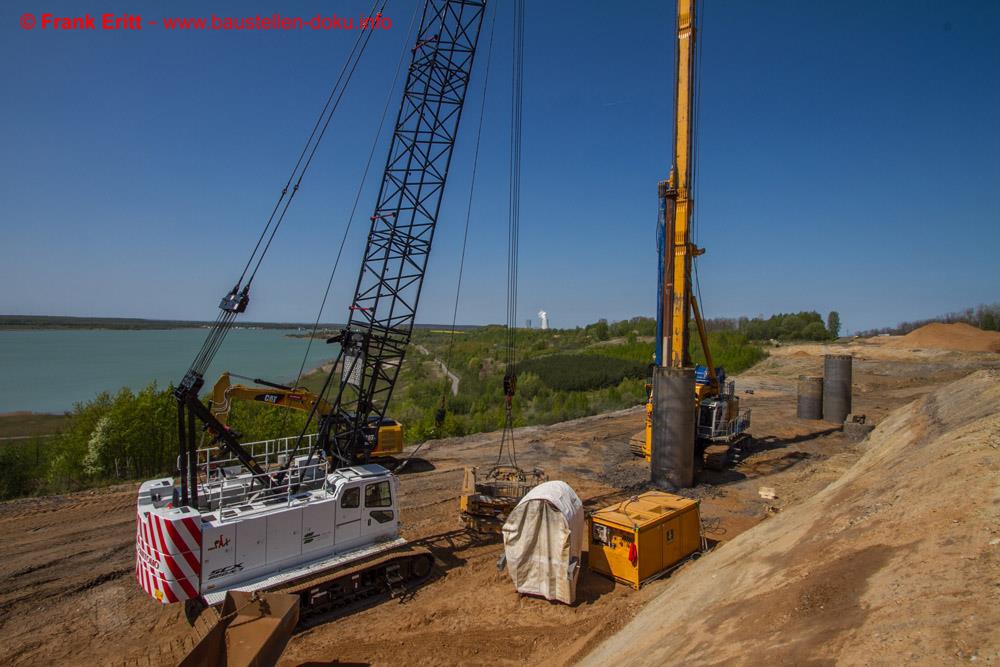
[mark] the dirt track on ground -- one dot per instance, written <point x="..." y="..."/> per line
<point x="69" y="595"/>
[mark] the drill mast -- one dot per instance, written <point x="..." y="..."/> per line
<point x="676" y="208"/>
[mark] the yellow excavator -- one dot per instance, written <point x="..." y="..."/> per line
<point x="720" y="425"/>
<point x="389" y="435"/>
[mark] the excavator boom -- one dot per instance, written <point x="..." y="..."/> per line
<point x="224" y="392"/>
<point x="384" y="307"/>
<point x="388" y="432"/>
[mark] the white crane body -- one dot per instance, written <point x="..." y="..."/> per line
<point x="237" y="540"/>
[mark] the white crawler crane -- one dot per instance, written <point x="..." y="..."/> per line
<point x="309" y="515"/>
<point x="241" y="536"/>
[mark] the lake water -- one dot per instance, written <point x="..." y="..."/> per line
<point x="49" y="371"/>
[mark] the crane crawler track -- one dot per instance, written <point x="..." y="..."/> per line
<point x="395" y="574"/>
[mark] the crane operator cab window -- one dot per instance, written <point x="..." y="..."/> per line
<point x="378" y="495"/>
<point x="351" y="498"/>
<point x="378" y="505"/>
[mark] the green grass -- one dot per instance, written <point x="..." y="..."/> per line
<point x="24" y="424"/>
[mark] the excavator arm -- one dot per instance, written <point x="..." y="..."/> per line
<point x="388" y="435"/>
<point x="294" y="398"/>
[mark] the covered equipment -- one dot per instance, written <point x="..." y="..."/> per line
<point x="543" y="539"/>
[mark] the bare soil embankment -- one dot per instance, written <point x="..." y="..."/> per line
<point x="70" y="596"/>
<point x="958" y="336"/>
<point x="897" y="560"/>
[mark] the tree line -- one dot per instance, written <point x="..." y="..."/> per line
<point x="984" y="316"/>
<point x="125" y="436"/>
<point x="563" y="374"/>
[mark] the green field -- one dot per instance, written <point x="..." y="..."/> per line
<point x="25" y="424"/>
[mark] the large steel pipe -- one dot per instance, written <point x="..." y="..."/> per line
<point x="672" y="451"/>
<point x="837" y="376"/>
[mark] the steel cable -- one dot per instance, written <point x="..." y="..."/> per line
<point x="513" y="231"/>
<point x="468" y="210"/>
<point x="357" y="196"/>
<point x="366" y="38"/>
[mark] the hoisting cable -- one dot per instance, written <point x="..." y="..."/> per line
<point x="442" y="410"/>
<point x="367" y="35"/>
<point x="514" y="214"/>
<point x="302" y="154"/>
<point x="235" y="301"/>
<point x="347" y="229"/>
<point x="357" y="195"/>
<point x="695" y="130"/>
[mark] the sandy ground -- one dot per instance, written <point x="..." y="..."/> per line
<point x="70" y="596"/>
<point x="895" y="562"/>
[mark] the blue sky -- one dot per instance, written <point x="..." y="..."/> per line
<point x="848" y="160"/>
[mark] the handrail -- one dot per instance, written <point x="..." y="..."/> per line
<point x="265" y="450"/>
<point x="310" y="476"/>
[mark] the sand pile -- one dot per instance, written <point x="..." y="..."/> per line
<point x="958" y="336"/>
<point x="896" y="561"/>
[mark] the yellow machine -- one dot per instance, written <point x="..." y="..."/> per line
<point x="639" y="539"/>
<point x="390" y="432"/>
<point x="719" y="424"/>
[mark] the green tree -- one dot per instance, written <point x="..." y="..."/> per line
<point x="601" y="330"/>
<point x="833" y="323"/>
<point x="814" y="331"/>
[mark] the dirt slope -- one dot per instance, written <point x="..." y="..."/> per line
<point x="69" y="594"/>
<point x="958" y="336"/>
<point x="898" y="560"/>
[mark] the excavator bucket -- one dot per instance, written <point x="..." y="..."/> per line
<point x="252" y="630"/>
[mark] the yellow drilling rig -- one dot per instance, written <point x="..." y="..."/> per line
<point x="676" y="440"/>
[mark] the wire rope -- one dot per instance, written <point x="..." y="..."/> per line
<point x="513" y="231"/>
<point x="357" y="196"/>
<point x="440" y="415"/>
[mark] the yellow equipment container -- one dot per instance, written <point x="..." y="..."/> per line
<point x="638" y="539"/>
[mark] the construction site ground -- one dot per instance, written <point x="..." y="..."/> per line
<point x="70" y="597"/>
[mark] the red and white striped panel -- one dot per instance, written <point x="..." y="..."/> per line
<point x="168" y="556"/>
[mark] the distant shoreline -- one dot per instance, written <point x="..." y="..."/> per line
<point x="49" y="322"/>
<point x="60" y="322"/>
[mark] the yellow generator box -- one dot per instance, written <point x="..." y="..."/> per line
<point x="638" y="539"/>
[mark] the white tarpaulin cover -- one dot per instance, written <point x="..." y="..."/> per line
<point x="542" y="539"/>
